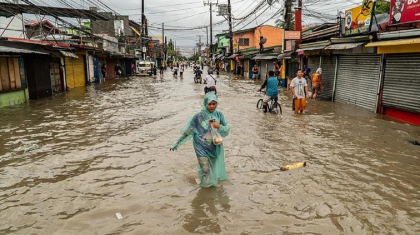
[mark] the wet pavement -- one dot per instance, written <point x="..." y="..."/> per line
<point x="69" y="163"/>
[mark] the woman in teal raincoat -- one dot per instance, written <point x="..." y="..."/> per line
<point x="210" y="157"/>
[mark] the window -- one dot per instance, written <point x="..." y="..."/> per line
<point x="243" y="41"/>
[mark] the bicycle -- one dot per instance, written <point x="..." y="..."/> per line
<point x="273" y="106"/>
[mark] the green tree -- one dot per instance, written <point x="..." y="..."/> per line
<point x="170" y="48"/>
<point x="280" y="23"/>
<point x="382" y="7"/>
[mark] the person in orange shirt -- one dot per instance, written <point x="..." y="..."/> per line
<point x="317" y="83"/>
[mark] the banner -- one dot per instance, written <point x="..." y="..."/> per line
<point x="404" y="11"/>
<point x="358" y="19"/>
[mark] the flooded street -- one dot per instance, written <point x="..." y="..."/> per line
<point x="69" y="163"/>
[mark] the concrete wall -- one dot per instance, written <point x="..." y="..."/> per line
<point x="107" y="26"/>
<point x="273" y="34"/>
<point x="249" y="35"/>
<point x="13" y="98"/>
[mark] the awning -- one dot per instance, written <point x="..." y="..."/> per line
<point x="343" y="46"/>
<point x="264" y="57"/>
<point x="394" y="42"/>
<point x="12" y="50"/>
<point x="232" y="56"/>
<point x="311" y="48"/>
<point x="286" y="56"/>
<point x="69" y="54"/>
<point x="135" y="30"/>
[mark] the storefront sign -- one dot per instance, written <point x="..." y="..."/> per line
<point x="404" y="11"/>
<point x="358" y="19"/>
<point x="292" y="35"/>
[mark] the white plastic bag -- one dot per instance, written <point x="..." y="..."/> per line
<point x="216" y="137"/>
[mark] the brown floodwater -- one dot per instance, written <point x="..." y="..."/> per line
<point x="69" y="163"/>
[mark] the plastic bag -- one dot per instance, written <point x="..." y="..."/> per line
<point x="216" y="137"/>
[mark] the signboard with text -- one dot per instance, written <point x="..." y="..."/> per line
<point x="404" y="11"/>
<point x="358" y="19"/>
<point x="292" y="35"/>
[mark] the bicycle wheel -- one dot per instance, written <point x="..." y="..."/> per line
<point x="276" y="108"/>
<point x="260" y="104"/>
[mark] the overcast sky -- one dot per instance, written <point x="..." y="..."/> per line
<point x="184" y="14"/>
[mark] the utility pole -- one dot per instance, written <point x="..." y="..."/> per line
<point x="298" y="19"/>
<point x="163" y="42"/>
<point x="207" y="34"/>
<point x="211" y="25"/>
<point x="142" y="18"/>
<point x="230" y="29"/>
<point x="142" y="28"/>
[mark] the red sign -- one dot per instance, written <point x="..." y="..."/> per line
<point x="404" y="11"/>
<point x="292" y="35"/>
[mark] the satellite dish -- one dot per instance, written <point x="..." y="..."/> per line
<point x="263" y="40"/>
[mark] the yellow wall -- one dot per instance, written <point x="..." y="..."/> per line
<point x="399" y="49"/>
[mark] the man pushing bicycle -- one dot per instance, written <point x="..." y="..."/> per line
<point x="272" y="84"/>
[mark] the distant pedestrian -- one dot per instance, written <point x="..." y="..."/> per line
<point x="317" y="84"/>
<point x="103" y="70"/>
<point x="132" y="68"/>
<point x="117" y="70"/>
<point x="255" y="72"/>
<point x="299" y="88"/>
<point x="276" y="69"/>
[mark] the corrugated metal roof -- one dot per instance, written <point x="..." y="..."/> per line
<point x="264" y="57"/>
<point x="69" y="54"/>
<point x="343" y="46"/>
<point x="287" y="55"/>
<point x="310" y="48"/>
<point x="13" y="50"/>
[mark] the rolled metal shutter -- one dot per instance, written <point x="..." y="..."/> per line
<point x="402" y="82"/>
<point x="357" y="80"/>
<point x="75" y="72"/>
<point x="313" y="63"/>
<point x="328" y="73"/>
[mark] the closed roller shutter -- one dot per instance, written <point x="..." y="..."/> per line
<point x="328" y="73"/>
<point x="357" y="80"/>
<point x="313" y="63"/>
<point x="75" y="72"/>
<point x="402" y="82"/>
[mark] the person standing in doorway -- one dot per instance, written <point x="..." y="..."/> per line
<point x="299" y="88"/>
<point x="132" y="68"/>
<point x="118" y="70"/>
<point x="103" y="70"/>
<point x="255" y="72"/>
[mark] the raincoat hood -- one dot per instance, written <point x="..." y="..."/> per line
<point x="207" y="99"/>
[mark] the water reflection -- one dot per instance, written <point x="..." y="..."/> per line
<point x="206" y="207"/>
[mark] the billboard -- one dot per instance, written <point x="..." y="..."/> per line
<point x="358" y="19"/>
<point x="404" y="11"/>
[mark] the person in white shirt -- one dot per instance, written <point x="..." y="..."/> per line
<point x="175" y="69"/>
<point x="299" y="89"/>
<point x="210" y="81"/>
